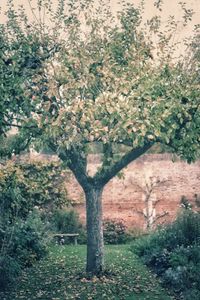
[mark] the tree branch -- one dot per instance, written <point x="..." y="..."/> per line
<point x="77" y="165"/>
<point x="19" y="126"/>
<point x="108" y="172"/>
<point x="14" y="146"/>
<point x="75" y="162"/>
<point x="165" y="213"/>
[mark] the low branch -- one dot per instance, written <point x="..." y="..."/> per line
<point x="77" y="164"/>
<point x="19" y="126"/>
<point x="108" y="172"/>
<point x="14" y="146"/>
<point x="140" y="212"/>
<point x="165" y="213"/>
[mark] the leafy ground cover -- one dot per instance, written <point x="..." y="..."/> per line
<point x="60" y="276"/>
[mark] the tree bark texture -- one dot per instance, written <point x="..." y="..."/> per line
<point x="95" y="245"/>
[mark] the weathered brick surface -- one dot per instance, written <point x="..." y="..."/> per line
<point x="122" y="198"/>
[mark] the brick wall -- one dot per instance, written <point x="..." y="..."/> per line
<point x="125" y="198"/>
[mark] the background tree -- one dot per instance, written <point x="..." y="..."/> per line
<point x="105" y="83"/>
<point x="22" y="53"/>
<point x="150" y="200"/>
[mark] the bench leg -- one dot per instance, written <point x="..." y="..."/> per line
<point x="75" y="241"/>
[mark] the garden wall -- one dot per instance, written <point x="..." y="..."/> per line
<point x="125" y="198"/>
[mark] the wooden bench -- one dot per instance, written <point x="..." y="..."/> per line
<point x="63" y="235"/>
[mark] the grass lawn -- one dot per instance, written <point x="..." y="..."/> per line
<point x="61" y="277"/>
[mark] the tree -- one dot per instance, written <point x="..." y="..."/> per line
<point x="21" y="55"/>
<point x="13" y="101"/>
<point x="150" y="202"/>
<point x="105" y="83"/>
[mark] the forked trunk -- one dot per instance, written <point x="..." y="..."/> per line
<point x="95" y="245"/>
<point x="93" y="187"/>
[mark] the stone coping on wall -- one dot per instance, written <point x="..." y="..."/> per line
<point x="96" y="158"/>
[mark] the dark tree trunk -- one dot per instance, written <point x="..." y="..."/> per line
<point x="95" y="246"/>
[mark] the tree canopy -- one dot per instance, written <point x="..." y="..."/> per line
<point x="103" y="82"/>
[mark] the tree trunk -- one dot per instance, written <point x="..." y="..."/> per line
<point x="95" y="245"/>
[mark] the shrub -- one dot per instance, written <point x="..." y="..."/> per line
<point x="182" y="278"/>
<point x="136" y="232"/>
<point x="23" y="187"/>
<point x="28" y="184"/>
<point x="82" y="238"/>
<point x="22" y="244"/>
<point x="193" y="294"/>
<point x="184" y="231"/>
<point x="115" y="232"/>
<point x="29" y="241"/>
<point x="9" y="270"/>
<point x="176" y="278"/>
<point x="173" y="252"/>
<point x="67" y="221"/>
<point x="188" y="225"/>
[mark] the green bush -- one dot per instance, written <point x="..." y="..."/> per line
<point x="67" y="221"/>
<point x="192" y="293"/>
<point x="9" y="270"/>
<point x="30" y="240"/>
<point x="173" y="252"/>
<point x="21" y="244"/>
<point x="136" y="232"/>
<point x="28" y="184"/>
<point x="26" y="189"/>
<point x="115" y="232"/>
<point x="182" y="278"/>
<point x="184" y="231"/>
